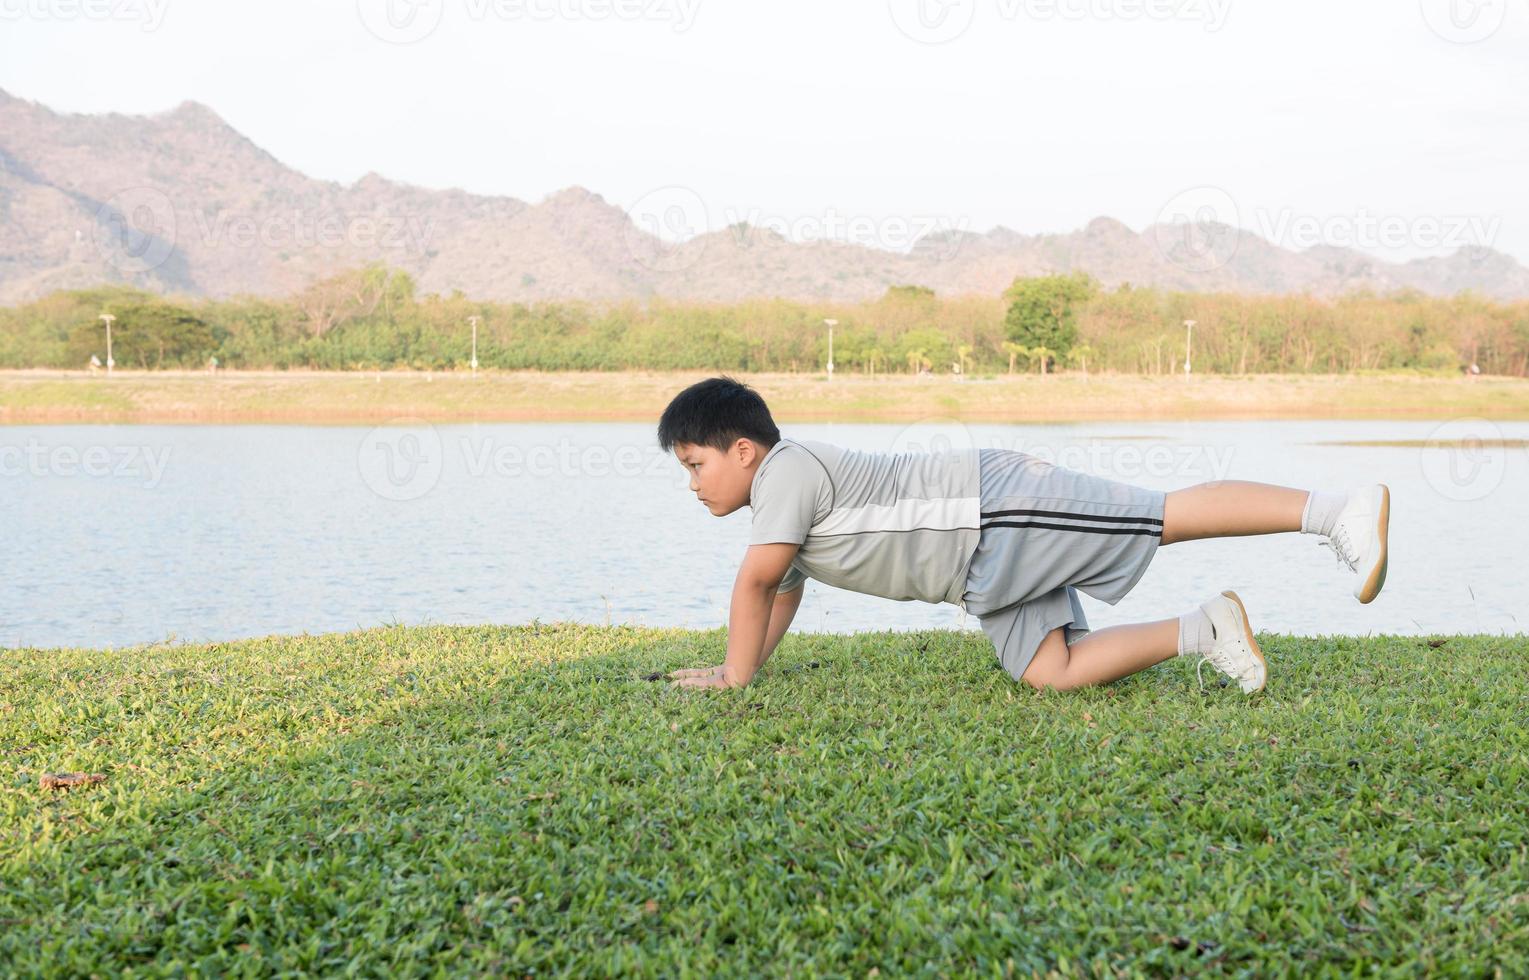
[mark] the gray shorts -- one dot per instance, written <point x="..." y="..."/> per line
<point x="1048" y="533"/>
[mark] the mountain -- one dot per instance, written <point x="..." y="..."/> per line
<point x="180" y="202"/>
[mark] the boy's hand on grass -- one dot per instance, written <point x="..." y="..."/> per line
<point x="699" y="677"/>
<point x="696" y="672"/>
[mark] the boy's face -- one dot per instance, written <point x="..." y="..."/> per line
<point x="721" y="480"/>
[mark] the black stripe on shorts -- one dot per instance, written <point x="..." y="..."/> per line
<point x="1074" y="517"/>
<point x="1076" y="527"/>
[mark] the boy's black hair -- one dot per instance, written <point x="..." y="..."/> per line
<point x="717" y="412"/>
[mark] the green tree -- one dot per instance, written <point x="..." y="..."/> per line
<point x="934" y="346"/>
<point x="148" y="335"/>
<point x="1043" y="311"/>
<point x="1014" y="350"/>
<point x="1080" y="354"/>
<point x="920" y="294"/>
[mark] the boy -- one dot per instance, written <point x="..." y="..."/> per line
<point x="1008" y="537"/>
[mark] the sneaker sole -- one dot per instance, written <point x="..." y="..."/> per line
<point x="1377" y="577"/>
<point x="1247" y="629"/>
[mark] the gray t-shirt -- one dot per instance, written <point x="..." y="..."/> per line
<point x="898" y="525"/>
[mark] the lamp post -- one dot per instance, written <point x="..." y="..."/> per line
<point x="1189" y="327"/>
<point x="109" y="362"/>
<point x="474" y="321"/>
<point x="831" y="324"/>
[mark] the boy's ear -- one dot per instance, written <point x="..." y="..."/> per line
<point x="745" y="451"/>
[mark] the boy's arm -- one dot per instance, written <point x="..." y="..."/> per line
<point x="748" y="626"/>
<point x="782" y="611"/>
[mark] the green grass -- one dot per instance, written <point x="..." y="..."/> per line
<point x="509" y="801"/>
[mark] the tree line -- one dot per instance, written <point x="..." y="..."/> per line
<point x="373" y="318"/>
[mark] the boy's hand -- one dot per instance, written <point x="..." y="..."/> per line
<point x="699" y="677"/>
<point x="718" y="681"/>
<point x="695" y="672"/>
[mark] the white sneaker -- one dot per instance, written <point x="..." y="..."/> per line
<point x="1359" y="537"/>
<point x="1236" y="653"/>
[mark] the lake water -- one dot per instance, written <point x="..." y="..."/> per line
<point x="117" y="535"/>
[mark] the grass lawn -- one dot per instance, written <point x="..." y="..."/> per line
<point x="504" y="801"/>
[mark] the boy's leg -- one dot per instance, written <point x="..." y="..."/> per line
<point x="1218" y="631"/>
<point x="1103" y="655"/>
<point x="1356" y="524"/>
<point x="1231" y="507"/>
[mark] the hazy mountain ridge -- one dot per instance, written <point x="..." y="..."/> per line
<point x="211" y="213"/>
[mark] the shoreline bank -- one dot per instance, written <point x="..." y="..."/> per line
<point x="60" y="397"/>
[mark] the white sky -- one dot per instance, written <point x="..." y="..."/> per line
<point x="1306" y="114"/>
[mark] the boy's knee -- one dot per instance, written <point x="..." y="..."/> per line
<point x="1040" y="675"/>
<point x="1039" y="681"/>
<point x="1048" y="668"/>
<point x="1056" y="680"/>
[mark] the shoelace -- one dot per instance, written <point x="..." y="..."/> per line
<point x="1342" y="548"/>
<point x="1222" y="664"/>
